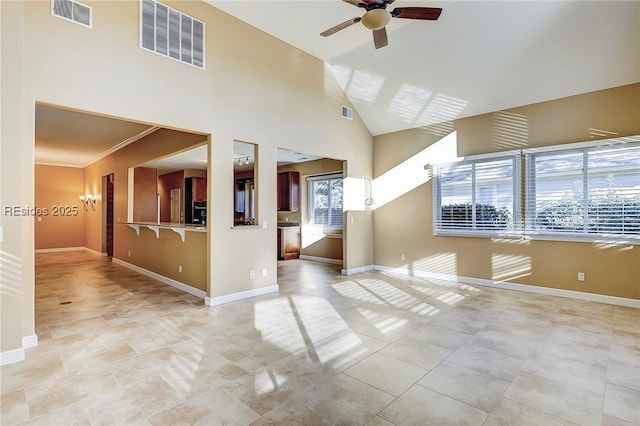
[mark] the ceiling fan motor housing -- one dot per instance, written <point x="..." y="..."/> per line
<point x="376" y="19"/>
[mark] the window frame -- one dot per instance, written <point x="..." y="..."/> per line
<point x="515" y="232"/>
<point x="582" y="148"/>
<point x="311" y="198"/>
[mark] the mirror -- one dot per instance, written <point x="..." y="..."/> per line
<point x="244" y="184"/>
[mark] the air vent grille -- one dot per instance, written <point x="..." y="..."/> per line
<point x="73" y="11"/>
<point x="347" y="113"/>
<point x="171" y="33"/>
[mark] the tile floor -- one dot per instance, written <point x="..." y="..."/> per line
<point x="372" y="348"/>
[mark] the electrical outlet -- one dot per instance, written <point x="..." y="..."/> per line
<point x="252" y="274"/>
<point x="264" y="272"/>
<point x="129" y="253"/>
<point x="179" y="268"/>
<point x="352" y="221"/>
<point x="580" y="276"/>
<point x="403" y="257"/>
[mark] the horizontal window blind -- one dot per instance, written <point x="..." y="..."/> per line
<point x="589" y="191"/>
<point x="477" y="197"/>
<point x="325" y="200"/>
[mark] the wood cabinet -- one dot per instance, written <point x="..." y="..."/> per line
<point x="289" y="191"/>
<point x="199" y="189"/>
<point x="289" y="243"/>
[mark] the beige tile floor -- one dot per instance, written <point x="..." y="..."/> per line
<point x="372" y="348"/>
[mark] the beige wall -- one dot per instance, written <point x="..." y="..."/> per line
<point x="16" y="251"/>
<point x="57" y="190"/>
<point x="255" y="88"/>
<point x="405" y="225"/>
<point x="161" y="255"/>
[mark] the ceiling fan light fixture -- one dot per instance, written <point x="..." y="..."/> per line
<point x="376" y="19"/>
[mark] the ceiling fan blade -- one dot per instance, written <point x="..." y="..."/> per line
<point x="426" y="13"/>
<point x="342" y="26"/>
<point x="380" y="38"/>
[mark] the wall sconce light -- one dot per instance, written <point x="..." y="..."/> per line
<point x="88" y="200"/>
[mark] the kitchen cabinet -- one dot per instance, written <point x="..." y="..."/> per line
<point x="288" y="242"/>
<point x="199" y="189"/>
<point x="289" y="191"/>
<point x="195" y="200"/>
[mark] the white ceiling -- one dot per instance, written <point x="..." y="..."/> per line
<point x="194" y="159"/>
<point x="480" y="56"/>
<point x="77" y="139"/>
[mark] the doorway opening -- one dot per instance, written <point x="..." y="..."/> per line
<point x="107" y="214"/>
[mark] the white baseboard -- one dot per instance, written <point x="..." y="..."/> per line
<point x="18" y="355"/>
<point x="12" y="356"/>
<point x="169" y="281"/>
<point x="548" y="291"/>
<point x="321" y="259"/>
<point x="59" y="249"/>
<point x="358" y="270"/>
<point x="30" y="341"/>
<point x="95" y="252"/>
<point x="234" y="297"/>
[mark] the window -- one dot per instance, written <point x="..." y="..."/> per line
<point x="171" y="33"/>
<point x="477" y="197"/>
<point x="72" y="10"/>
<point x="591" y="191"/>
<point x="325" y="200"/>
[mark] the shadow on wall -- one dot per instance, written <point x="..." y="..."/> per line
<point x="414" y="172"/>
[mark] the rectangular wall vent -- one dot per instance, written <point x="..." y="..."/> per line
<point x="171" y="33"/>
<point x="73" y="11"/>
<point x="347" y="113"/>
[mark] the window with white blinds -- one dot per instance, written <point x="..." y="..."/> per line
<point x="325" y="200"/>
<point x="171" y="33"/>
<point x="592" y="191"/>
<point x="477" y="197"/>
<point x="73" y="11"/>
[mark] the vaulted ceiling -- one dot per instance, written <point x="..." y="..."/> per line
<point x="478" y="57"/>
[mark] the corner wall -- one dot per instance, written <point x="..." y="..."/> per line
<point x="405" y="225"/>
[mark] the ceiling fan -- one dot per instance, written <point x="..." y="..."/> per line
<point x="377" y="17"/>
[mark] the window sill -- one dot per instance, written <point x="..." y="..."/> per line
<point x="569" y="238"/>
<point x="595" y="239"/>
